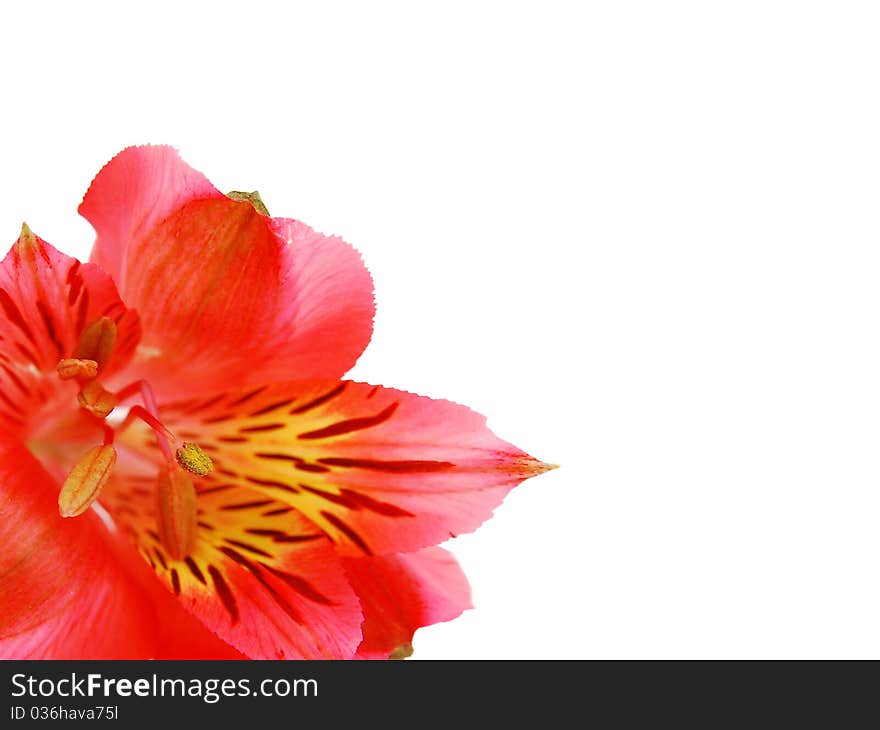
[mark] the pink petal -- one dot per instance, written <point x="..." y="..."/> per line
<point x="47" y="299"/>
<point x="267" y="583"/>
<point x="63" y="595"/>
<point x="134" y="193"/>
<point x="227" y="295"/>
<point x="401" y="593"/>
<point x="379" y="470"/>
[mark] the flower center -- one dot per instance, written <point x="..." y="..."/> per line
<point x="175" y="494"/>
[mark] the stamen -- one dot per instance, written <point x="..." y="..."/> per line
<point x="109" y="433"/>
<point x="176" y="512"/>
<point x="71" y="367"/>
<point x="163" y="435"/>
<point x="97" y="341"/>
<point x="96" y="399"/>
<point x="85" y="481"/>
<point x="194" y="460"/>
<point x="189" y="456"/>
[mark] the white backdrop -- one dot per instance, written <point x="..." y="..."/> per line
<point x="641" y="237"/>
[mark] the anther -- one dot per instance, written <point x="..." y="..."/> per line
<point x="96" y="399"/>
<point x="194" y="460"/>
<point x="72" y="367"/>
<point x="85" y="481"/>
<point x="176" y="512"/>
<point x="97" y="341"/>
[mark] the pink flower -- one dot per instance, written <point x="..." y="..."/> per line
<point x="250" y="503"/>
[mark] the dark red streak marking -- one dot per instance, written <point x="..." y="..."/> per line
<point x="225" y="593"/>
<point x="247" y="396"/>
<point x="14" y="316"/>
<point x="246" y="505"/>
<point x="352" y="424"/>
<point x="217" y="419"/>
<point x="330" y="497"/>
<point x="394" y="467"/>
<point x="159" y="557"/>
<point x="82" y="311"/>
<point x="219" y="488"/>
<point x="205" y="404"/>
<point x="297" y="538"/>
<point x="255" y="571"/>
<point x="279" y="511"/>
<point x="272" y="407"/>
<point x="194" y="569"/>
<point x="276" y="457"/>
<point x="320" y="400"/>
<point x="300" y="585"/>
<point x="347" y="531"/>
<point x="259" y="429"/>
<point x="249" y="548"/>
<point x="46" y="316"/>
<point x="14" y="378"/>
<point x="272" y="483"/>
<point x="313" y="468"/>
<point x="26" y="353"/>
<point x="264" y="532"/>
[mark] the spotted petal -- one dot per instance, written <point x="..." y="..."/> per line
<point x="260" y="576"/>
<point x="226" y="294"/>
<point x="47" y="300"/>
<point x="378" y="470"/>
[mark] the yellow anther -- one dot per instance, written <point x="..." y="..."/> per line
<point x="253" y="198"/>
<point x="194" y="460"/>
<point x="97" y="341"/>
<point x="72" y="367"/>
<point x="96" y="399"/>
<point x="85" y="481"/>
<point x="176" y="512"/>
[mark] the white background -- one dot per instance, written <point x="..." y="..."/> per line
<point x="641" y="237"/>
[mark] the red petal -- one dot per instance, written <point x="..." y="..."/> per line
<point x="63" y="595"/>
<point x="328" y="308"/>
<point x="401" y="593"/>
<point x="179" y="634"/>
<point x="227" y="295"/>
<point x="266" y="581"/>
<point x="47" y="299"/>
<point x="379" y="470"/>
<point x="134" y="193"/>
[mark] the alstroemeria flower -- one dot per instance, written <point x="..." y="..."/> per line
<point x="184" y="474"/>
